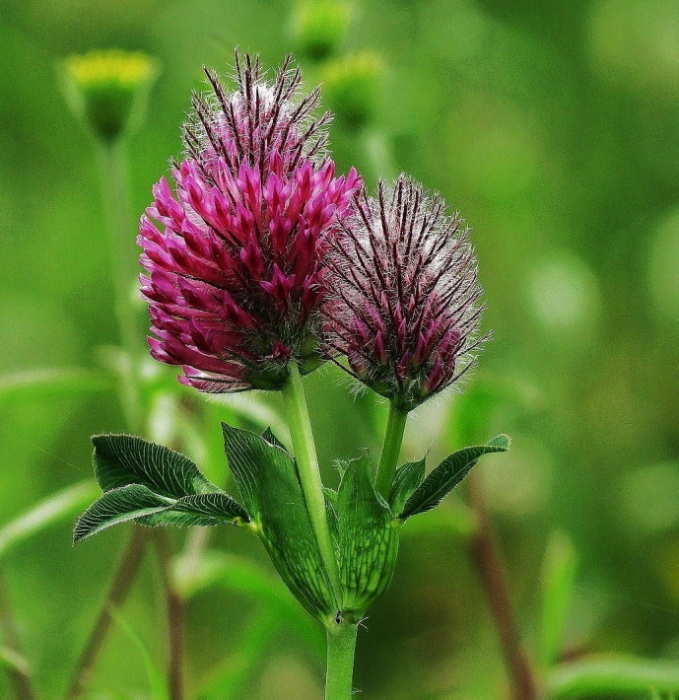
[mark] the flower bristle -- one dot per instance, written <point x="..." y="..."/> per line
<point x="402" y="295"/>
<point x="234" y="274"/>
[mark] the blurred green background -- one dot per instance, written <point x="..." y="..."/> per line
<point x="554" y="129"/>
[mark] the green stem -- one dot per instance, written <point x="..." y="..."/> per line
<point x="115" y="193"/>
<point x="309" y="473"/>
<point x="390" y="449"/>
<point x="341" y="648"/>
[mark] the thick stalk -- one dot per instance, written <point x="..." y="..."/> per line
<point x="341" y="649"/>
<point x="391" y="447"/>
<point x="487" y="558"/>
<point x="115" y="194"/>
<point x="309" y="473"/>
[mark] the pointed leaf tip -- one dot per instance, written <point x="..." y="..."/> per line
<point x="118" y="506"/>
<point x="272" y="439"/>
<point x="501" y="442"/>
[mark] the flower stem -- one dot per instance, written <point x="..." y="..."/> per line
<point x="115" y="194"/>
<point x="309" y="473"/>
<point x="391" y="447"/>
<point x="341" y="648"/>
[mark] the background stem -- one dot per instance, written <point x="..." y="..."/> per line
<point x="341" y="650"/>
<point x="120" y="587"/>
<point x="487" y="559"/>
<point x="391" y="448"/>
<point x="21" y="681"/>
<point x="309" y="473"/>
<point x="124" y="269"/>
<point x="175" y="615"/>
<point x="116" y="201"/>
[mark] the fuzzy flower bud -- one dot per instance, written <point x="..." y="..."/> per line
<point x="403" y="297"/>
<point x="234" y="250"/>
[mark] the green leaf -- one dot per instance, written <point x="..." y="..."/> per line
<point x="447" y="476"/>
<point x="204" y="510"/>
<point x="615" y="676"/>
<point x="59" y="506"/>
<point x="120" y="460"/>
<point x="406" y="480"/>
<point x="137" y="502"/>
<point x="119" y="506"/>
<point x="366" y="540"/>
<point x="558" y="578"/>
<point x="267" y="478"/>
<point x="155" y="486"/>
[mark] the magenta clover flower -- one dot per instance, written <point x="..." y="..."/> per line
<point x="402" y="301"/>
<point x="235" y="256"/>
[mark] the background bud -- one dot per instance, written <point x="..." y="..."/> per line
<point x="351" y="87"/>
<point x="108" y="89"/>
<point x="319" y="26"/>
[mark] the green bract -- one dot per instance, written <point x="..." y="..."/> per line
<point x="154" y="485"/>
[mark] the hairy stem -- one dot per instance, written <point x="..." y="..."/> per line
<point x="341" y="649"/>
<point x="487" y="559"/>
<point x="115" y="194"/>
<point x="309" y="473"/>
<point x="391" y="447"/>
<point x="175" y="614"/>
<point x="120" y="587"/>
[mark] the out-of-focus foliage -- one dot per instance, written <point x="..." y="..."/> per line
<point x="553" y="128"/>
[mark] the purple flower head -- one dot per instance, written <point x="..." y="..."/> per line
<point x="403" y="296"/>
<point x="234" y="250"/>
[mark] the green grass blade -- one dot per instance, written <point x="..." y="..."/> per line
<point x="231" y="679"/>
<point x="14" y="661"/>
<point x="243" y="576"/>
<point x="558" y="577"/>
<point x="32" y="385"/>
<point x="63" y="504"/>
<point x="156" y="679"/>
<point x="616" y="676"/>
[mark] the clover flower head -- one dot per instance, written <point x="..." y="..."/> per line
<point x="234" y="250"/>
<point x="402" y="301"/>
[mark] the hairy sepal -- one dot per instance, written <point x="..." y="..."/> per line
<point x="366" y="541"/>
